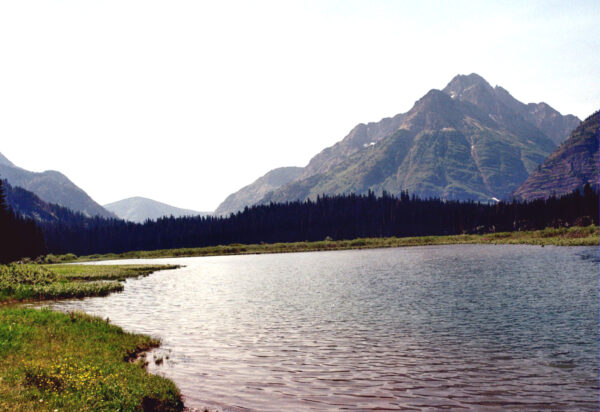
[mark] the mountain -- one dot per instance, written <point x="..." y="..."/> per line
<point x="140" y="209"/>
<point x="29" y="205"/>
<point x="573" y="164"/>
<point x="52" y="187"/>
<point x="498" y="102"/>
<point x="254" y="192"/>
<point x="469" y="141"/>
<point x="363" y="135"/>
<point x="5" y="162"/>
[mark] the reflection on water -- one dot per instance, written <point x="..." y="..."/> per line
<point x="470" y="326"/>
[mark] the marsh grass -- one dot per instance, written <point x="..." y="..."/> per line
<point x="574" y="236"/>
<point x="19" y="282"/>
<point x="105" y="272"/>
<point x="73" y="362"/>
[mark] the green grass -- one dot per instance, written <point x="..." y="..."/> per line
<point x="105" y="272"/>
<point x="575" y="236"/>
<point x="37" y="282"/>
<point x="73" y="362"/>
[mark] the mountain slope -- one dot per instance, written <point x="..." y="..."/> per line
<point x="29" y="205"/>
<point x="5" y="162"/>
<point x="469" y="141"/>
<point x="254" y="192"/>
<point x="573" y="164"/>
<point x="52" y="187"/>
<point x="499" y="103"/>
<point x="363" y="135"/>
<point x="140" y="209"/>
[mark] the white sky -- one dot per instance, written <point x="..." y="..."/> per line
<point x="186" y="102"/>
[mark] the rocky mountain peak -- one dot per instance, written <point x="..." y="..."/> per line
<point x="467" y="87"/>
<point x="467" y="141"/>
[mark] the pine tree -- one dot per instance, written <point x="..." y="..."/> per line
<point x="3" y="204"/>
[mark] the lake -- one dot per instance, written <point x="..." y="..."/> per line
<point x="467" y="326"/>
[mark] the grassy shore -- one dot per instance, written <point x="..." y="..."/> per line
<point x="575" y="236"/>
<point x="51" y="361"/>
<point x="41" y="282"/>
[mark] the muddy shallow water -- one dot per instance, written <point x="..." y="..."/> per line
<point x="465" y="326"/>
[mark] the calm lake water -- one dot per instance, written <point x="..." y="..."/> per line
<point x="466" y="326"/>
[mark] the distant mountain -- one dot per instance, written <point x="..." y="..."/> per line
<point x="52" y="187"/>
<point x="29" y="205"/>
<point x="140" y="209"/>
<point x="253" y="193"/>
<point x="469" y="141"/>
<point x="573" y="164"/>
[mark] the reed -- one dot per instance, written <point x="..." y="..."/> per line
<point x="19" y="282"/>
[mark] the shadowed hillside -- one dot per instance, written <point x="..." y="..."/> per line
<point x="52" y="187"/>
<point x="573" y="164"/>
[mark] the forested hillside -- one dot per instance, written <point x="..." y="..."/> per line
<point x="19" y="237"/>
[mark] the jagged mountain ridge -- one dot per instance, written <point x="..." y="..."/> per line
<point x="140" y="209"/>
<point x="498" y="102"/>
<point x="361" y="136"/>
<point x="52" y="187"/>
<point x="573" y="164"/>
<point x="468" y="141"/>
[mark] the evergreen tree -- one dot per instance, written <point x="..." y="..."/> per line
<point x="337" y="217"/>
<point x="19" y="237"/>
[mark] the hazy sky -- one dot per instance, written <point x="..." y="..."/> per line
<point x="185" y="102"/>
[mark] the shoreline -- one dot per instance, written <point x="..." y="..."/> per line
<point x="72" y="361"/>
<point x="574" y="236"/>
<point x="578" y="236"/>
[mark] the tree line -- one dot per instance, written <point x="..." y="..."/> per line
<point x="337" y="217"/>
<point x="19" y="237"/>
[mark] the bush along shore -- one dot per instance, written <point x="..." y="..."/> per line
<point x="52" y="361"/>
<point x="574" y="236"/>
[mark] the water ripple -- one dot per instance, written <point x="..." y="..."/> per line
<point x="424" y="328"/>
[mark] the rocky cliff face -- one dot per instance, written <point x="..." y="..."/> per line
<point x="573" y="164"/>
